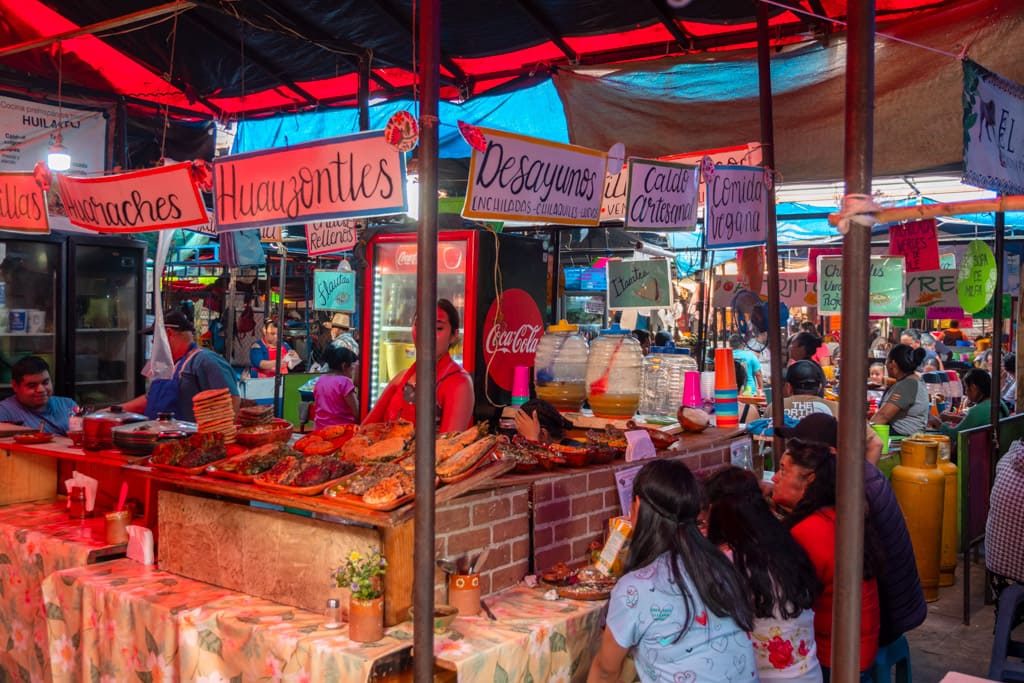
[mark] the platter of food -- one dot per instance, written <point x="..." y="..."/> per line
<point x="246" y="465"/>
<point x="276" y="431"/>
<point x="386" y="487"/>
<point x="34" y="437"/>
<point x="191" y="455"/>
<point x="466" y="461"/>
<point x="304" y="475"/>
<point x="586" y="591"/>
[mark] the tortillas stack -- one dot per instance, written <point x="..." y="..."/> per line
<point x="215" y="413"/>
<point x="255" y="415"/>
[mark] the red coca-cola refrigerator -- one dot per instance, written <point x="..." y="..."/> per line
<point x="498" y="333"/>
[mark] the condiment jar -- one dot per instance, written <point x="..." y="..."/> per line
<point x="560" y="367"/>
<point x="613" y="373"/>
<point x="76" y="504"/>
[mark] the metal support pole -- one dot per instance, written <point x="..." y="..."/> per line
<point x="764" y="73"/>
<point x="278" y="378"/>
<point x="997" y="332"/>
<point x="426" y="340"/>
<point x="557" y="312"/>
<point x="860" y="86"/>
<point x="702" y="296"/>
<point x="364" y="92"/>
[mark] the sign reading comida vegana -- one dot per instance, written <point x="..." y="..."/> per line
<point x="885" y="285"/>
<point x="330" y="237"/>
<point x="139" y="201"/>
<point x="334" y="290"/>
<point x="22" y="204"/>
<point x="520" y="178"/>
<point x="736" y="209"/>
<point x="345" y="177"/>
<point x="636" y="283"/>
<point x="993" y="130"/>
<point x="661" y="196"/>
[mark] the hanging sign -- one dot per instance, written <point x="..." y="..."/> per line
<point x="661" y="196"/>
<point x="885" y="286"/>
<point x="334" y="290"/>
<point x="22" y="204"/>
<point x="270" y="234"/>
<point x="1011" y="275"/>
<point x="932" y="289"/>
<point x="344" y="177"/>
<point x="947" y="261"/>
<point x="330" y="237"/>
<point x="917" y="242"/>
<point x="154" y="199"/>
<point x="977" y="279"/>
<point x="795" y="290"/>
<point x="736" y="209"/>
<point x="28" y="128"/>
<point x="527" y="179"/>
<point x="993" y="130"/>
<point x="636" y="283"/>
<point x="812" y="260"/>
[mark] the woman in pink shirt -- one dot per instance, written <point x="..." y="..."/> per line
<point x="334" y="394"/>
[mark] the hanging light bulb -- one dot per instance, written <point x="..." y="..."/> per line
<point x="58" y="158"/>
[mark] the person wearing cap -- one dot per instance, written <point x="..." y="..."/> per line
<point x="263" y="352"/>
<point x="899" y="587"/>
<point x="195" y="370"/>
<point x="804" y="391"/>
<point x="33" y="404"/>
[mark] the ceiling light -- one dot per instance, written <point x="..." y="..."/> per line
<point x="58" y="158"/>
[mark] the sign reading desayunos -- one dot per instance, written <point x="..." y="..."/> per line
<point x="345" y="177"/>
<point x="661" y="196"/>
<point x="330" y="237"/>
<point x="886" y="291"/>
<point x="638" y="283"/>
<point x="527" y="179"/>
<point x="139" y="201"/>
<point x="22" y="204"/>
<point x="736" y="209"/>
<point x="334" y="290"/>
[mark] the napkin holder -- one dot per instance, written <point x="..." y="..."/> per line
<point x="140" y="544"/>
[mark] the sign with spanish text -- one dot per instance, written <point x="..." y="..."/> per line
<point x="29" y="127"/>
<point x="636" y="283"/>
<point x="270" y="234"/>
<point x="812" y="260"/>
<point x="207" y="228"/>
<point x="993" y="130"/>
<point x="794" y="288"/>
<point x="736" y="207"/>
<point x="885" y="286"/>
<point x="661" y="196"/>
<point x="977" y="278"/>
<point x="139" y="201"/>
<point x="520" y="178"/>
<point x="932" y="289"/>
<point x="330" y="237"/>
<point x="345" y="177"/>
<point x="22" y="204"/>
<point x="334" y="290"/>
<point x="917" y="242"/>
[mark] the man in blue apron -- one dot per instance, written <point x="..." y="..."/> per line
<point x="195" y="370"/>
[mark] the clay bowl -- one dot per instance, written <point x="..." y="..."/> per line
<point x="444" y="615"/>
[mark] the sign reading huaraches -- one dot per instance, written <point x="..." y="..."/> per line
<point x="526" y="179"/>
<point x="345" y="177"/>
<point x="22" y="205"/>
<point x="154" y="199"/>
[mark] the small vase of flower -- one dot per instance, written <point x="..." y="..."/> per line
<point x="361" y="574"/>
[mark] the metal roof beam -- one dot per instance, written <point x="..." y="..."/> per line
<point x="683" y="38"/>
<point x="549" y="29"/>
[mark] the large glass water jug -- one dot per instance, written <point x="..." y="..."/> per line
<point x="560" y="367"/>
<point x="613" y="374"/>
<point x="662" y="379"/>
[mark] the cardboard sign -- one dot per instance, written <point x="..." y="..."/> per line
<point x="344" y="177"/>
<point x="29" y="127"/>
<point x="736" y="209"/>
<point x="635" y="283"/>
<point x="794" y="288"/>
<point x="977" y="279"/>
<point x="993" y="130"/>
<point x="932" y="289"/>
<point x="526" y="179"/>
<point x="334" y="290"/>
<point x="329" y="237"/>
<point x="139" y="201"/>
<point x="22" y="204"/>
<point x="917" y="242"/>
<point x="270" y="234"/>
<point x="885" y="289"/>
<point x="661" y="196"/>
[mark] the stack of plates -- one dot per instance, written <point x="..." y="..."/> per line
<point x="215" y="413"/>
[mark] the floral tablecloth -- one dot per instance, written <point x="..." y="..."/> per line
<point x="37" y="539"/>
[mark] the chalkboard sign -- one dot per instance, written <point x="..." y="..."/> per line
<point x="635" y="283"/>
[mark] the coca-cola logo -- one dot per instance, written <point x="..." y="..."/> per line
<point x="510" y="339"/>
<point x="451" y="258"/>
<point x="405" y="257"/>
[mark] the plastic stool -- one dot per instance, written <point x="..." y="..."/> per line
<point x="1006" y="664"/>
<point x="895" y="654"/>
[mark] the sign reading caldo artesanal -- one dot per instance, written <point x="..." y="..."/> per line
<point x="661" y="196"/>
<point x="519" y="178"/>
<point x="345" y="177"/>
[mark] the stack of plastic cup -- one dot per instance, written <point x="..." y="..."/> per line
<point x="691" y="390"/>
<point x="727" y="408"/>
<point x="521" y="385"/>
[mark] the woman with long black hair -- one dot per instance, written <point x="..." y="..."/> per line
<point x="779" y="576"/>
<point x="905" y="404"/>
<point x="681" y="605"/>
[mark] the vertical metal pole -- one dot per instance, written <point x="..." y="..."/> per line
<point x="860" y="86"/>
<point x="702" y="295"/>
<point x="764" y="73"/>
<point x="997" y="332"/>
<point x="557" y="312"/>
<point x="278" y="378"/>
<point x="364" y="92"/>
<point x="426" y="341"/>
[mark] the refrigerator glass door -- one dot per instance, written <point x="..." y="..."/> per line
<point x="392" y="349"/>
<point x="28" y="305"/>
<point x="105" y="326"/>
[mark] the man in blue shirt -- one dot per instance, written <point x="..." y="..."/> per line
<point x="33" y="404"/>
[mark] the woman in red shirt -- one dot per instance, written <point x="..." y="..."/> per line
<point x="454" y="389"/>
<point x="805" y="487"/>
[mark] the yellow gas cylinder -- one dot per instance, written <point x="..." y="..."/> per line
<point x="919" y="486"/>
<point x="948" y="545"/>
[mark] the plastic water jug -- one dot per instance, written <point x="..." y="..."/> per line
<point x="560" y="367"/>
<point x="662" y="380"/>
<point x="613" y="374"/>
